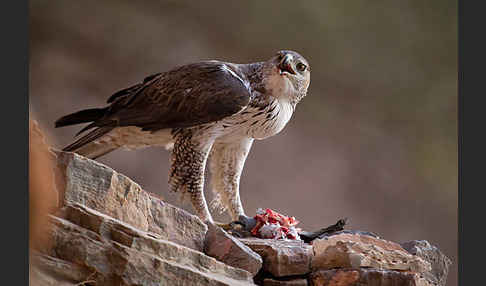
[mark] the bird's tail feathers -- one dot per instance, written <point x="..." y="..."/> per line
<point x="88" y="138"/>
<point x="82" y="116"/>
<point x="94" y="150"/>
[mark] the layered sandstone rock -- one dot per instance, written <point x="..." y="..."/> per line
<point x="366" y="276"/>
<point x="349" y="258"/>
<point x="115" y="253"/>
<point x="282" y="257"/>
<point x="287" y="282"/>
<point x="87" y="182"/>
<point x="108" y="231"/>
<point x="357" y="251"/>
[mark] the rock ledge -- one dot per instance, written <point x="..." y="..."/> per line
<point x="108" y="231"/>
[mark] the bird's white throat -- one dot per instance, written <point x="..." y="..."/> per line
<point x="278" y="84"/>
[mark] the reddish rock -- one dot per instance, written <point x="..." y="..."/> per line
<point x="366" y="276"/>
<point x="282" y="257"/>
<point x="356" y="250"/>
<point x="43" y="197"/>
<point x="226" y="248"/>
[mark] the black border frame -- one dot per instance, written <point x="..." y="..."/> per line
<point x="471" y="62"/>
<point x="15" y="143"/>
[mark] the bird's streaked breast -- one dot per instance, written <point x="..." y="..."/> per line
<point x="259" y="123"/>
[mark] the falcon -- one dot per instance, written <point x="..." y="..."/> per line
<point x="206" y="109"/>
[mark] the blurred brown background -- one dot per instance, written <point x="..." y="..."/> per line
<point x="375" y="139"/>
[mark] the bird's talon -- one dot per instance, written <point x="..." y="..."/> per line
<point x="225" y="226"/>
<point x="231" y="226"/>
<point x="235" y="224"/>
<point x="239" y="228"/>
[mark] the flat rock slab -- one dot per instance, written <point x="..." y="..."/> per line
<point x="356" y="250"/>
<point x="87" y="182"/>
<point x="226" y="248"/>
<point x="366" y="276"/>
<point x="282" y="257"/>
<point x="119" y="254"/>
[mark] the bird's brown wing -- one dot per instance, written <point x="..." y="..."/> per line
<point x="186" y="96"/>
<point x="132" y="89"/>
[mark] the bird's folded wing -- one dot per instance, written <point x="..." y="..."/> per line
<point x="186" y="96"/>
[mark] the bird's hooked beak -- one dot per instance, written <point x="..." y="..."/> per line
<point x="285" y="65"/>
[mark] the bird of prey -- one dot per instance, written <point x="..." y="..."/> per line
<point x="208" y="108"/>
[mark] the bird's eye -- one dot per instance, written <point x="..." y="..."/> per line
<point x="301" y="67"/>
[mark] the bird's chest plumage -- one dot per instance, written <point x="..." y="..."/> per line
<point x="259" y="122"/>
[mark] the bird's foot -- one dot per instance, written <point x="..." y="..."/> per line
<point x="241" y="227"/>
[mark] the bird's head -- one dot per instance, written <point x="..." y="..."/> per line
<point x="287" y="74"/>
